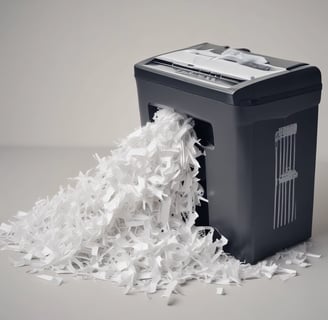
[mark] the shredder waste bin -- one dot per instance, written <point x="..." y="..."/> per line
<point x="256" y="117"/>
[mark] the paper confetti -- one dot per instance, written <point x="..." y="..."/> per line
<point x="220" y="291"/>
<point x="130" y="219"/>
<point x="55" y="280"/>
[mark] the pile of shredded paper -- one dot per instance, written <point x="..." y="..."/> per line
<point x="131" y="220"/>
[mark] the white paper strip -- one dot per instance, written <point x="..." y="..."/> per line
<point x="220" y="291"/>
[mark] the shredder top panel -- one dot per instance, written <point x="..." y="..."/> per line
<point x="234" y="76"/>
<point x="231" y="64"/>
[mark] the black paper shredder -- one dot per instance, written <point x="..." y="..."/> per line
<point x="257" y="118"/>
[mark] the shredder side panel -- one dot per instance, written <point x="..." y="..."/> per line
<point x="283" y="169"/>
<point x="227" y="168"/>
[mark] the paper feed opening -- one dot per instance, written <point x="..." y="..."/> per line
<point x="226" y="69"/>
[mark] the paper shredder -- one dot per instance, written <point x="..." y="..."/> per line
<point x="256" y="117"/>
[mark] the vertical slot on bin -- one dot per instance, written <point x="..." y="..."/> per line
<point x="204" y="132"/>
<point x="285" y="176"/>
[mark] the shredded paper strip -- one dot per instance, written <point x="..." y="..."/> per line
<point x="131" y="220"/>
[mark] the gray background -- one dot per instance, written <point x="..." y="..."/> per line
<point x="67" y="90"/>
<point x="66" y="67"/>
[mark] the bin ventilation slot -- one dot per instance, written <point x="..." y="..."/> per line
<point x="285" y="176"/>
<point x="226" y="69"/>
